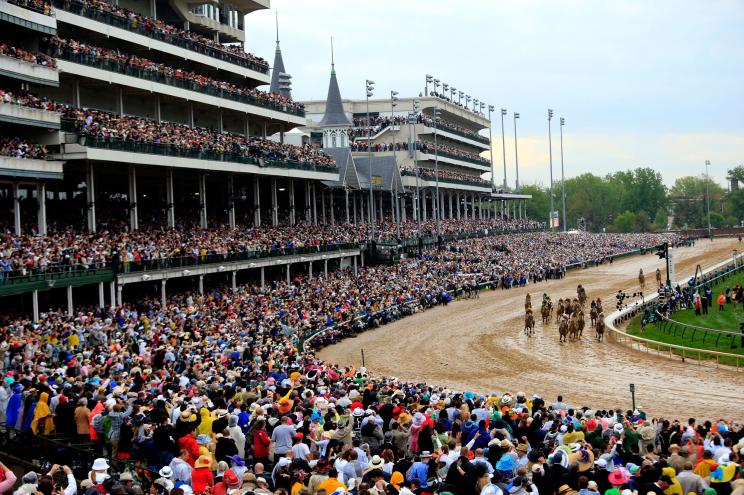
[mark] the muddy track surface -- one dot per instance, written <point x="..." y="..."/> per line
<point x="479" y="345"/>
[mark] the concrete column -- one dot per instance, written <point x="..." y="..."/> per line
<point x="325" y="268"/>
<point x="356" y="269"/>
<point x="256" y="202"/>
<point x="153" y="9"/>
<point x="322" y="207"/>
<point x="480" y="207"/>
<point x="76" y="92"/>
<point x="310" y="269"/>
<point x="69" y="301"/>
<point x="133" y="210"/>
<point x="90" y="181"/>
<point x="424" y="205"/>
<point x="190" y="113"/>
<point x="281" y="137"/>
<point x="162" y="293"/>
<point x="346" y="197"/>
<point x="287" y="270"/>
<point x="449" y="195"/>
<point x="35" y="300"/>
<point x="308" y="210"/>
<point x="361" y="258"/>
<point x="380" y="218"/>
<point x="17" y="207"/>
<point x="119" y="289"/>
<point x="203" y="201"/>
<point x="292" y="213"/>
<point x="315" y="204"/>
<point x="101" y="300"/>
<point x="403" y="207"/>
<point x="157" y="108"/>
<point x="231" y="200"/>
<point x="112" y="293"/>
<point x="459" y="205"/>
<point x="201" y="284"/>
<point x="354" y="205"/>
<point x="263" y="277"/>
<point x="234" y="280"/>
<point x="120" y="100"/>
<point x="274" y="204"/>
<point x="247" y="129"/>
<point x="264" y="129"/>
<point x="170" y="199"/>
<point x="41" y="214"/>
<point x="333" y="214"/>
<point x="220" y="123"/>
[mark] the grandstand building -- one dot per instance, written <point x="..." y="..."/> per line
<point x="146" y="113"/>
<point x="454" y="143"/>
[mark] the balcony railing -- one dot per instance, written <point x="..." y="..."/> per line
<point x="456" y="157"/>
<point x="177" y="151"/>
<point x="477" y="183"/>
<point x="474" y="137"/>
<point x="215" y="258"/>
<point x="145" y="29"/>
<point x="149" y="75"/>
<point x="40" y="7"/>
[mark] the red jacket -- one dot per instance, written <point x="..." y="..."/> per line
<point x="261" y="442"/>
<point x="188" y="442"/>
<point x="201" y="478"/>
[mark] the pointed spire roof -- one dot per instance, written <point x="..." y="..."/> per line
<point x="334" y="110"/>
<point x="278" y="67"/>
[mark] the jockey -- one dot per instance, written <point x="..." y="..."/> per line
<point x="546" y="297"/>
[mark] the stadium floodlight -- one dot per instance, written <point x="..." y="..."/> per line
<point x="393" y="104"/>
<point x="453" y="90"/>
<point x="445" y="87"/>
<point x="394" y="98"/>
<point x="563" y="177"/>
<point x="460" y="94"/>
<point x="467" y="100"/>
<point x="370" y="89"/>
<point x="429" y="79"/>
<point x="437" y="206"/>
<point x="516" y="154"/>
<point x="550" y="154"/>
<point x="437" y="83"/>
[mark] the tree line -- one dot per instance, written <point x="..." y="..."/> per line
<point x="638" y="201"/>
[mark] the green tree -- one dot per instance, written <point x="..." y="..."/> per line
<point x="642" y="222"/>
<point x="688" y="199"/>
<point x="537" y="207"/>
<point x="735" y="205"/>
<point x="660" y="221"/>
<point x="625" y="222"/>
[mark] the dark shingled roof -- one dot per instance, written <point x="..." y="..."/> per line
<point x="278" y="69"/>
<point x="334" y="111"/>
<point x="347" y="174"/>
<point x="384" y="167"/>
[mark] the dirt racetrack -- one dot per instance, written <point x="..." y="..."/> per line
<point x="479" y="345"/>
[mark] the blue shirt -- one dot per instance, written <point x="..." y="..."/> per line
<point x="419" y="471"/>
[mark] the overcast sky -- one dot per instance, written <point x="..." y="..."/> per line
<point x="640" y="83"/>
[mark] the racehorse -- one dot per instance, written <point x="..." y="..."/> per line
<point x="581" y="323"/>
<point x="529" y="323"/>
<point x="527" y="302"/>
<point x="593" y="313"/>
<point x="600" y="328"/>
<point x="546" y="311"/>
<point x="573" y="327"/>
<point x="581" y="293"/>
<point x="641" y="279"/>
<point x="563" y="329"/>
<point x="658" y="277"/>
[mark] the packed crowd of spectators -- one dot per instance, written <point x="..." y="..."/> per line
<point x="71" y="250"/>
<point x="27" y="56"/>
<point x="26" y="99"/>
<point x="161" y="30"/>
<point x="16" y="147"/>
<point x="215" y="394"/>
<point x="423" y="146"/>
<point x="85" y="53"/>
<point x="127" y="128"/>
<point x="40" y="6"/>
<point x="361" y="128"/>
<point x="430" y="175"/>
<point x="444" y="97"/>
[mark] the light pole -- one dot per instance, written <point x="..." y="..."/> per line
<point x="460" y="94"/>
<point x="370" y="87"/>
<point x="428" y="80"/>
<point x="563" y="179"/>
<point x="437" y="83"/>
<point x="417" y="208"/>
<point x="550" y="147"/>
<point x="503" y="144"/>
<point x="516" y="154"/>
<point x="707" y="196"/>
<point x="393" y="104"/>
<point x="436" y="112"/>
<point x="491" y="108"/>
<point x="453" y="90"/>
